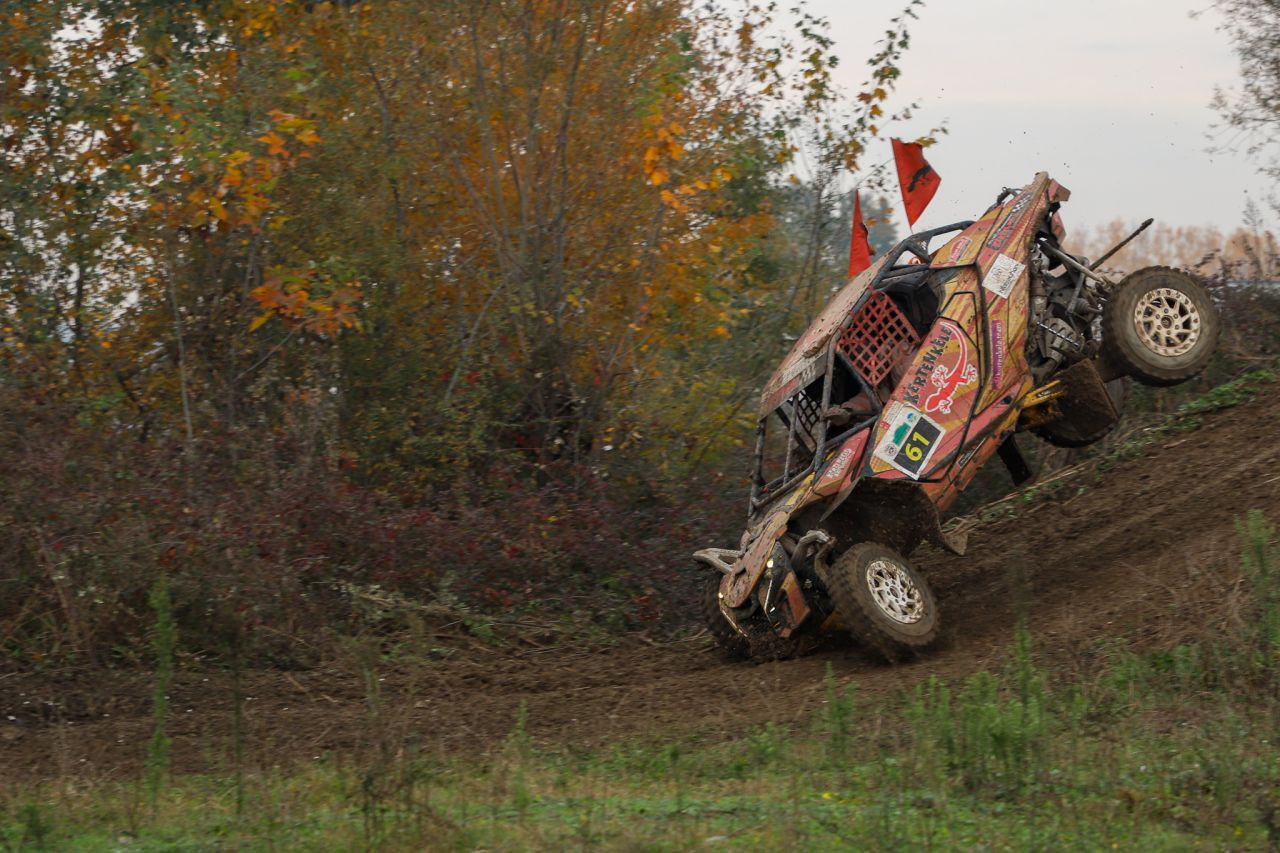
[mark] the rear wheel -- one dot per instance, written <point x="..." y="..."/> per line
<point x="1160" y="326"/>
<point x="882" y="599"/>
<point x="1065" y="432"/>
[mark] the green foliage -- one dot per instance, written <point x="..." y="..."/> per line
<point x="1233" y="393"/>
<point x="28" y="828"/>
<point x="518" y="754"/>
<point x="266" y="267"/>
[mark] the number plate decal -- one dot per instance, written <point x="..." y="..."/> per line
<point x="909" y="440"/>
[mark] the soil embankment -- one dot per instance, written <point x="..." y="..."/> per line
<point x="1147" y="553"/>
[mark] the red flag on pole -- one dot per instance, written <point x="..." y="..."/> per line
<point x="859" y="248"/>
<point x="916" y="177"/>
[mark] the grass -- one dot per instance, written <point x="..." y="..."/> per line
<point x="1078" y="479"/>
<point x="1132" y="764"/>
<point x="1171" y="750"/>
<point x="1238" y="391"/>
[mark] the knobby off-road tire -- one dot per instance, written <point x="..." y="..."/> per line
<point x="731" y="643"/>
<point x="1160" y="326"/>
<point x="762" y="646"/>
<point x="883" y="600"/>
<point x="1063" y="433"/>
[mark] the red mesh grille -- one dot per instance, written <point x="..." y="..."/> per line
<point x="877" y="339"/>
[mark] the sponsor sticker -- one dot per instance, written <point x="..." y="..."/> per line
<point x="959" y="246"/>
<point x="933" y="350"/>
<point x="1003" y="275"/>
<point x="910" y="439"/>
<point x="948" y="378"/>
<point x="997" y="352"/>
<point x="839" y="465"/>
<point x="943" y="370"/>
<point x="1010" y="224"/>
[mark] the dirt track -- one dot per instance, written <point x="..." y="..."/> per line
<point x="1134" y="556"/>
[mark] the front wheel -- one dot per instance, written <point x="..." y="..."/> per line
<point x="1160" y="327"/>
<point x="731" y="643"/>
<point x="761" y="645"/>
<point x="882" y="599"/>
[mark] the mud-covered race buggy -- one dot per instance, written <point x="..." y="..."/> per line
<point x="912" y="377"/>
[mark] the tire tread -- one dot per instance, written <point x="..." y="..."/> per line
<point x="843" y="579"/>
<point x="1117" y="334"/>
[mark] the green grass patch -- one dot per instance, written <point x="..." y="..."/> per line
<point x="932" y="788"/>
<point x="1081" y="478"/>
<point x="1238" y="391"/>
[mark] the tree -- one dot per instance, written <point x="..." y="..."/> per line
<point x="274" y="271"/>
<point x="1252" y="111"/>
<point x="1243" y="253"/>
<point x="552" y="223"/>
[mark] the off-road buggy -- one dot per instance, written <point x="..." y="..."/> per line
<point x="916" y="373"/>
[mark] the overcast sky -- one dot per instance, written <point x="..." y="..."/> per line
<point x="1111" y="97"/>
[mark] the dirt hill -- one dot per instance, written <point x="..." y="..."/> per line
<point x="1144" y="553"/>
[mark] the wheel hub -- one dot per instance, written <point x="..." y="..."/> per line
<point x="1167" y="321"/>
<point x="894" y="592"/>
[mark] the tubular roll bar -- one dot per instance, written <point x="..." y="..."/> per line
<point x="764" y="493"/>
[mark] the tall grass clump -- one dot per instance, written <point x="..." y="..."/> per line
<point x="1262" y="575"/>
<point x="164" y="640"/>
<point x="837" y="719"/>
<point x="994" y="731"/>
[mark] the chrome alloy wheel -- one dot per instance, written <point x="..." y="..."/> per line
<point x="894" y="592"/>
<point x="1167" y="321"/>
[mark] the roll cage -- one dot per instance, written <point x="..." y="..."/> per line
<point x="882" y="329"/>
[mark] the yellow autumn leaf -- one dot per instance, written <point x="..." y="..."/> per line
<point x="658" y="177"/>
<point x="275" y="143"/>
<point x="258" y="321"/>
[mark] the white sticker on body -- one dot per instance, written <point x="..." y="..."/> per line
<point x="1003" y="275"/>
